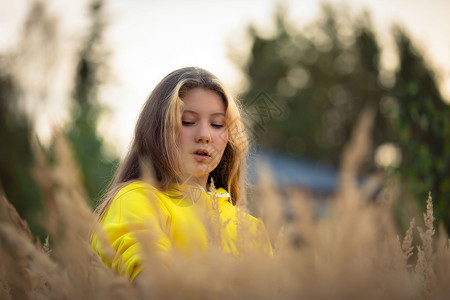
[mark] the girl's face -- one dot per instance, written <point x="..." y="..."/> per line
<point x="203" y="135"/>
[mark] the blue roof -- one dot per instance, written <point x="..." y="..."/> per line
<point x="286" y="170"/>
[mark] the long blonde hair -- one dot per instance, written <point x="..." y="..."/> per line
<point x="157" y="128"/>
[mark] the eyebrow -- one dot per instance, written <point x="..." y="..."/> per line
<point x="196" y="113"/>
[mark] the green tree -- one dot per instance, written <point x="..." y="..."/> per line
<point x="423" y="124"/>
<point x="321" y="77"/>
<point x="324" y="74"/>
<point x="16" y="158"/>
<point x="16" y="125"/>
<point x="89" y="147"/>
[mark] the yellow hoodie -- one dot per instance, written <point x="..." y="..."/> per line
<point x="182" y="219"/>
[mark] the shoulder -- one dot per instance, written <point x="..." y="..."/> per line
<point x="135" y="199"/>
<point x="137" y="193"/>
<point x="135" y="187"/>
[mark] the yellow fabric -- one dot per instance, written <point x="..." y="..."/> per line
<point x="173" y="221"/>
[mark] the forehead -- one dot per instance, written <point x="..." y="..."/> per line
<point x="200" y="100"/>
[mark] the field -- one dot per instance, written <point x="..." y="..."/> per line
<point x="356" y="252"/>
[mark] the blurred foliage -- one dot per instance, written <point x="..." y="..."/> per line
<point x="323" y="75"/>
<point x="16" y="126"/>
<point x="423" y="126"/>
<point x="321" y="78"/>
<point x="16" y="159"/>
<point x="89" y="147"/>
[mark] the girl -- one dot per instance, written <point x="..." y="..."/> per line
<point x="190" y="137"/>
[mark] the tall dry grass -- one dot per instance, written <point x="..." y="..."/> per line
<point x="353" y="253"/>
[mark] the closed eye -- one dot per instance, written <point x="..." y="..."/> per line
<point x="217" y="125"/>
<point x="185" y="123"/>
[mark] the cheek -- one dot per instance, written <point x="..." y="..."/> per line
<point x="183" y="138"/>
<point x="222" y="140"/>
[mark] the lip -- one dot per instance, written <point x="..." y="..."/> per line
<point x="200" y="157"/>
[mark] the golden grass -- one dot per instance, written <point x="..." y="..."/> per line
<point x="353" y="253"/>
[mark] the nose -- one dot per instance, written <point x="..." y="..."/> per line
<point x="203" y="134"/>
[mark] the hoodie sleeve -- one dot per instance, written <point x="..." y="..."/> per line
<point x="136" y="220"/>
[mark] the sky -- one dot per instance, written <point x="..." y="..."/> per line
<point x="149" y="39"/>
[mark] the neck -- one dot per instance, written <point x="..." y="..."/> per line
<point x="201" y="181"/>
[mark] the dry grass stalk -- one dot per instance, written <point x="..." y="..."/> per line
<point x="354" y="155"/>
<point x="270" y="203"/>
<point x="69" y="269"/>
<point x="9" y="214"/>
<point x="425" y="262"/>
<point x="407" y="247"/>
